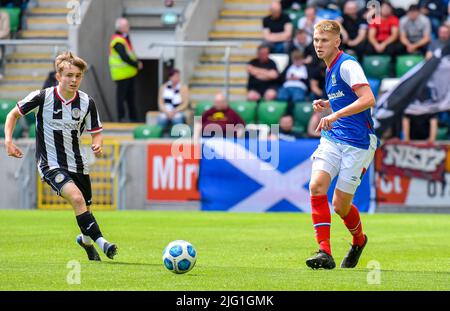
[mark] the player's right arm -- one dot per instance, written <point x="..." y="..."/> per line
<point x="320" y="105"/>
<point x="10" y="125"/>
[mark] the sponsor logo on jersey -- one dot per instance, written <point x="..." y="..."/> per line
<point x="336" y="95"/>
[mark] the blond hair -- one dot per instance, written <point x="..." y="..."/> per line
<point x="67" y="58"/>
<point x="328" y="26"/>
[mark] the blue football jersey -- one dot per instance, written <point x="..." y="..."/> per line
<point x="343" y="76"/>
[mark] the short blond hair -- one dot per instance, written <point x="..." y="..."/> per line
<point x="328" y="26"/>
<point x="68" y="58"/>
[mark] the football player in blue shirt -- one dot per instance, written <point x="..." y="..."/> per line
<point x="346" y="148"/>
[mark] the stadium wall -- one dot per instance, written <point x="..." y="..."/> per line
<point x="200" y="17"/>
<point x="90" y="40"/>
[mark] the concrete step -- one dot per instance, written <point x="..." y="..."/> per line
<point x="30" y="57"/>
<point x="36" y="49"/>
<point x="247" y="48"/>
<point x="47" y="23"/>
<point x="207" y="93"/>
<point x="251" y="14"/>
<point x="238" y="25"/>
<point x="219" y="58"/>
<point x="236" y="35"/>
<point x="246" y="5"/>
<point x="216" y="81"/>
<point x="53" y="3"/>
<point x="44" y="34"/>
<point x="49" y="11"/>
<point x="24" y="78"/>
<point x="218" y="71"/>
<point x="33" y="69"/>
<point x="18" y="91"/>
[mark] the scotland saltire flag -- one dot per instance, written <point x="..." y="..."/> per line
<point x="262" y="176"/>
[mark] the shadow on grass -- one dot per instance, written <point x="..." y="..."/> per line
<point x="131" y="263"/>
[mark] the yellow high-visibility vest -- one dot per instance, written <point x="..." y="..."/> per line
<point x="120" y="69"/>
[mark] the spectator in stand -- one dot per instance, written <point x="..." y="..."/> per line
<point x="317" y="81"/>
<point x="437" y="44"/>
<point x="302" y="43"/>
<point x="286" y="131"/>
<point x="354" y="30"/>
<point x="308" y="21"/>
<point x="50" y="80"/>
<point x="173" y="100"/>
<point x="295" y="88"/>
<point x="383" y="33"/>
<point x="415" y="31"/>
<point x="292" y="4"/>
<point x="277" y="29"/>
<point x="435" y="10"/>
<point x="262" y="76"/>
<point x="220" y="121"/>
<point x="423" y="127"/>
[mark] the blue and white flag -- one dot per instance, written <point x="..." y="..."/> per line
<point x="262" y="176"/>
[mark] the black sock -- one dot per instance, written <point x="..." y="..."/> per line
<point x="89" y="226"/>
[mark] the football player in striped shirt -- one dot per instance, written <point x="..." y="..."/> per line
<point x="62" y="114"/>
<point x="346" y="148"/>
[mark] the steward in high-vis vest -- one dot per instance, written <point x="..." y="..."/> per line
<point x="124" y="67"/>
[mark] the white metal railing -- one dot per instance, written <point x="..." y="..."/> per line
<point x="227" y="45"/>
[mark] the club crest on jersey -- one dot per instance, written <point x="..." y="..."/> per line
<point x="333" y="79"/>
<point x="59" y="178"/>
<point x="76" y="113"/>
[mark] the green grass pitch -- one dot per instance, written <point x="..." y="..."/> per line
<point x="236" y="251"/>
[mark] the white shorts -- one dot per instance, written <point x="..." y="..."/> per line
<point x="349" y="162"/>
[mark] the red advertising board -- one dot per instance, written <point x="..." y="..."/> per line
<point x="172" y="176"/>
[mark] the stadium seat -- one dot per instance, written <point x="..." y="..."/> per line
<point x="5" y="107"/>
<point x="18" y="131"/>
<point x="147" y="131"/>
<point x="180" y="130"/>
<point x="405" y="62"/>
<point x="377" y="66"/>
<point x="328" y="14"/>
<point x="32" y="131"/>
<point x="202" y="106"/>
<point x="270" y="112"/>
<point x="295" y="15"/>
<point x="246" y="109"/>
<point x="302" y="113"/>
<point x="442" y="133"/>
<point x="374" y="85"/>
<point x="14" y="18"/>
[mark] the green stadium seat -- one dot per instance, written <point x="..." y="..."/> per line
<point x="18" y="131"/>
<point x="202" y="106"/>
<point x="180" y="131"/>
<point x="147" y="131"/>
<point x="14" y="18"/>
<point x="5" y="107"/>
<point x="295" y="16"/>
<point x="245" y="109"/>
<point x="32" y="131"/>
<point x="405" y="62"/>
<point x="302" y="113"/>
<point x="270" y="112"/>
<point x="442" y="133"/>
<point x="377" y="66"/>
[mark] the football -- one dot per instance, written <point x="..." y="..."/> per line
<point x="179" y="256"/>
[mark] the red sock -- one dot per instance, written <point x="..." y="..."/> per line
<point x="321" y="218"/>
<point x="353" y="223"/>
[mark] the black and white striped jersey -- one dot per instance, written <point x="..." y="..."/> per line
<point x="59" y="125"/>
